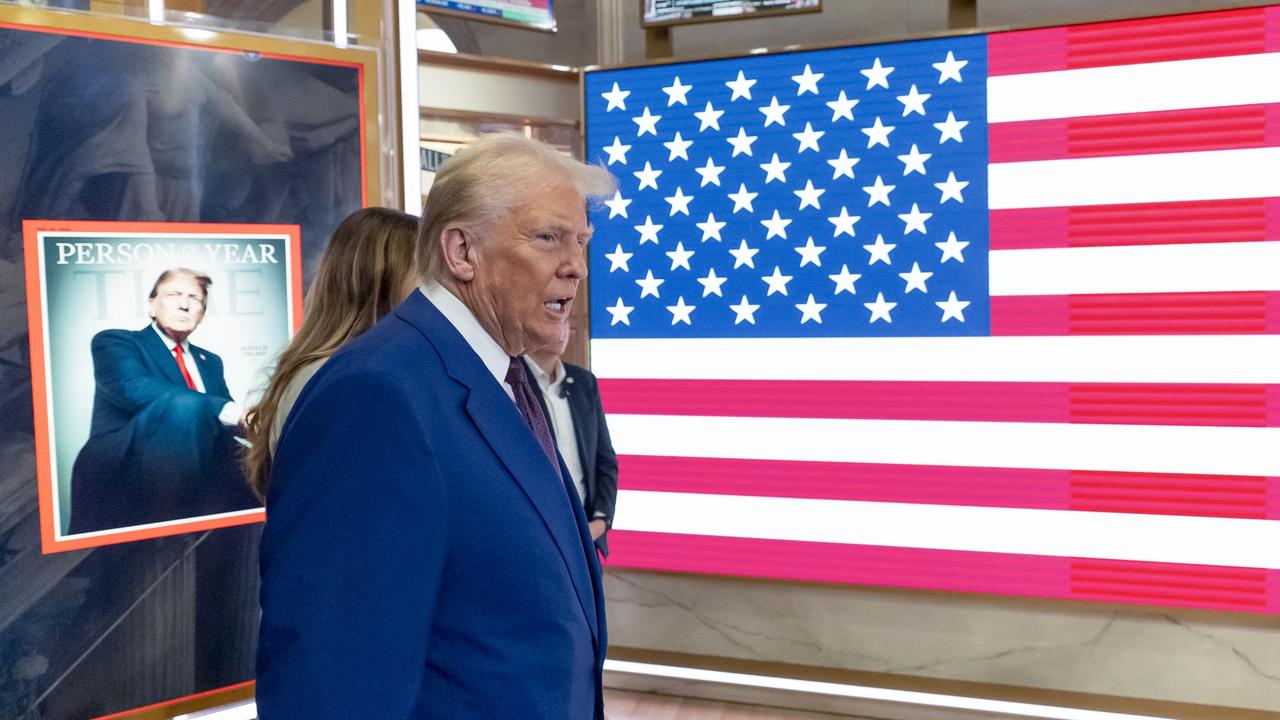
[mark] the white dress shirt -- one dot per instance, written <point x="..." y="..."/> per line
<point x="230" y="413"/>
<point x="464" y="321"/>
<point x="561" y="421"/>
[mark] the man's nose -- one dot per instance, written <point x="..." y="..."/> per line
<point x="575" y="266"/>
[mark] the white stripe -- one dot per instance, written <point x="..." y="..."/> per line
<point x="1200" y="267"/>
<point x="1146" y="87"/>
<point x="1056" y="533"/>
<point x="1062" y="446"/>
<point x="864" y="692"/>
<point x="1148" y="358"/>
<point x="1170" y="177"/>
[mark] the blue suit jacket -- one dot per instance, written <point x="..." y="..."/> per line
<point x="156" y="450"/>
<point x="421" y="558"/>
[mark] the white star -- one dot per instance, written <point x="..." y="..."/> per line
<point x="742" y="143"/>
<point x="808" y="138"/>
<point x="676" y="92"/>
<point x="649" y="284"/>
<point x="844" y="223"/>
<point x="808" y="81"/>
<point x="810" y="253"/>
<point x="914" y="161"/>
<point x="744" y="311"/>
<point x="878" y="134"/>
<point x="679" y="148"/>
<point x="915" y="220"/>
<point x="711" y="283"/>
<point x="773" y="112"/>
<point x="618" y="205"/>
<point x="842" y="107"/>
<point x="844" y="280"/>
<point x="680" y="257"/>
<point x="916" y="279"/>
<point x="953" y="307"/>
<point x="711" y="228"/>
<point x="617" y="151"/>
<point x="742" y="199"/>
<point x="620" y="313"/>
<point x="879" y="251"/>
<point x="878" y="193"/>
<point x="618" y="259"/>
<point x="710" y="173"/>
<point x="617" y="98"/>
<point x="647" y="122"/>
<point x="843" y="165"/>
<point x="950" y="128"/>
<point x="913" y="101"/>
<point x="680" y="312"/>
<point x="710" y="118"/>
<point x="775" y="169"/>
<point x="744" y="256"/>
<point x="811" y="310"/>
<point x="877" y="74"/>
<point x="880" y="309"/>
<point x="648" y="177"/>
<point x="809" y="195"/>
<point x="679" y="202"/>
<point x="777" y="226"/>
<point x="741" y="87"/>
<point x="648" y="231"/>
<point x="951" y="188"/>
<point x="777" y="281"/>
<point x="949" y="69"/>
<point x="952" y="248"/>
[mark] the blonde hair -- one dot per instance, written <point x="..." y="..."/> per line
<point x="365" y="272"/>
<point x="486" y="180"/>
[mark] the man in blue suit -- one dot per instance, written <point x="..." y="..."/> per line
<point x="424" y="555"/>
<point x="161" y="443"/>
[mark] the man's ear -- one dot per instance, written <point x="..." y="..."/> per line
<point x="459" y="252"/>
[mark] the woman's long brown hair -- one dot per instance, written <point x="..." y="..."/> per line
<point x="365" y="272"/>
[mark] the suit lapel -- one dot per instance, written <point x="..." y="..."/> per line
<point x="159" y="353"/>
<point x="214" y="382"/>
<point x="507" y="434"/>
<point x="580" y="408"/>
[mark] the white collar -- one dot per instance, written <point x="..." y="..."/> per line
<point x="464" y="321"/>
<point x="170" y="342"/>
<point x="544" y="380"/>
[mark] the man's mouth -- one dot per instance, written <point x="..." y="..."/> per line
<point x="557" y="305"/>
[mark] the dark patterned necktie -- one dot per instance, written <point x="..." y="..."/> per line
<point x="527" y="402"/>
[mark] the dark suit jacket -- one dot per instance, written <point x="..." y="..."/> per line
<point x="421" y="558"/>
<point x="595" y="448"/>
<point x="156" y="450"/>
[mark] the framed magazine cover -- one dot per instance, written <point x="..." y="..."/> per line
<point x="131" y="441"/>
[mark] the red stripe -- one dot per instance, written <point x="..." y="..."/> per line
<point x="1174" y="223"/>
<point x="1146" y="40"/>
<point x="1226" y="313"/>
<point x="1172" y="131"/>
<point x="1104" y="403"/>
<point x="1198" y="586"/>
<point x="1143" y="493"/>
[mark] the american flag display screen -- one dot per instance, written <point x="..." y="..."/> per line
<point x="993" y="313"/>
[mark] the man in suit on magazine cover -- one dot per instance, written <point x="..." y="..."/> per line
<point x="161" y="441"/>
<point x="425" y="555"/>
<point x="570" y="398"/>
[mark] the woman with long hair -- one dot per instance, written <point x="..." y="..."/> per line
<point x="366" y="271"/>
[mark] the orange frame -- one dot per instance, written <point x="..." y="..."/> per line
<point x="50" y="542"/>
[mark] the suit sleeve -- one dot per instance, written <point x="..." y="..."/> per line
<point x="352" y="556"/>
<point x="606" y="491"/>
<point x="125" y="379"/>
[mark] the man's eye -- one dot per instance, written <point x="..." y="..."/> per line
<point x="547" y="236"/>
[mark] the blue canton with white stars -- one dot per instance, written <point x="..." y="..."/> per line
<point x="828" y="193"/>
